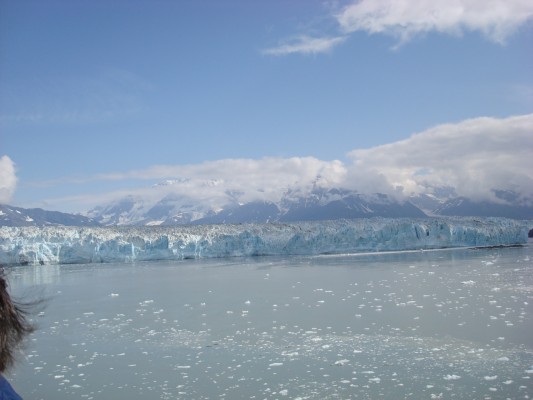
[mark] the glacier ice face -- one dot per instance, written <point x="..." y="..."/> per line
<point x="72" y="245"/>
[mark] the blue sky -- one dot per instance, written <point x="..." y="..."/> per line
<point x="94" y="96"/>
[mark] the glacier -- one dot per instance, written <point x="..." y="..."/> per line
<point x="81" y="245"/>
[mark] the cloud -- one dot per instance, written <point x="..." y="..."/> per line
<point x="213" y="183"/>
<point x="404" y="19"/>
<point x="474" y="157"/>
<point x="305" y="45"/>
<point x="8" y="179"/>
<point x="240" y="171"/>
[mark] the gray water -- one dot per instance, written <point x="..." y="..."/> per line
<point x="451" y="324"/>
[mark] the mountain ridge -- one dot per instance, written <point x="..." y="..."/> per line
<point x="18" y="216"/>
<point x="294" y="206"/>
<point x="319" y="204"/>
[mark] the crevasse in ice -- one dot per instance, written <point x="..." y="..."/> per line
<point x="68" y="245"/>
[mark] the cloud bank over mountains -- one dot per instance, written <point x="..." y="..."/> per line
<point x="404" y="20"/>
<point x="473" y="158"/>
<point x="215" y="183"/>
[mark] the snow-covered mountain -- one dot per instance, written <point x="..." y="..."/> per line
<point x="319" y="204"/>
<point x="17" y="216"/>
<point x="185" y="201"/>
<point x="179" y="202"/>
<point x="462" y="206"/>
<point x="178" y="206"/>
<point x="505" y="204"/>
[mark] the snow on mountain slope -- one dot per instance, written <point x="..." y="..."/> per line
<point x="60" y="245"/>
<point x="317" y="204"/>
<point x="464" y="207"/>
<point x="17" y="216"/>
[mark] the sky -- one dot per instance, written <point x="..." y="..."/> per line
<point x="101" y="99"/>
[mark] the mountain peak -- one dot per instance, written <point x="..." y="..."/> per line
<point x="17" y="216"/>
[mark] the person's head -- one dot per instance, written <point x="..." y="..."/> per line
<point x="14" y="325"/>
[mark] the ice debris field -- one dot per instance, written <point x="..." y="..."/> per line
<point x="449" y="324"/>
<point x="71" y="245"/>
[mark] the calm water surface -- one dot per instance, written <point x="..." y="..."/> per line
<point x="453" y="324"/>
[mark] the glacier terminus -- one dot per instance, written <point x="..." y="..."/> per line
<point x="82" y="245"/>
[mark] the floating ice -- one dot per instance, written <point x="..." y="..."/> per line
<point x="276" y="364"/>
<point x="323" y="352"/>
<point x="452" y="377"/>
<point x="342" y="362"/>
<point x="73" y="245"/>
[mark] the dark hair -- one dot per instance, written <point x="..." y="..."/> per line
<point x="14" y="325"/>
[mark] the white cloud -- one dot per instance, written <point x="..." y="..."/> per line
<point x="404" y="19"/>
<point x="215" y="183"/>
<point x="8" y="179"/>
<point x="474" y="157"/>
<point x="268" y="172"/>
<point x="305" y="45"/>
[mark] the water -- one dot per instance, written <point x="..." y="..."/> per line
<point x="452" y="324"/>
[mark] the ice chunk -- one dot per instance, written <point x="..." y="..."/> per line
<point x="452" y="377"/>
<point x="276" y="364"/>
<point x="342" y="362"/>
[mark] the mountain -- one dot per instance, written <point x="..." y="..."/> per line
<point x="506" y="203"/>
<point x="338" y="203"/>
<point x="254" y="212"/>
<point x="462" y="207"/>
<point x="16" y="216"/>
<point x="320" y="204"/>
<point x="131" y="210"/>
<point x="296" y="205"/>
<point x="173" y="208"/>
<point x="427" y="203"/>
